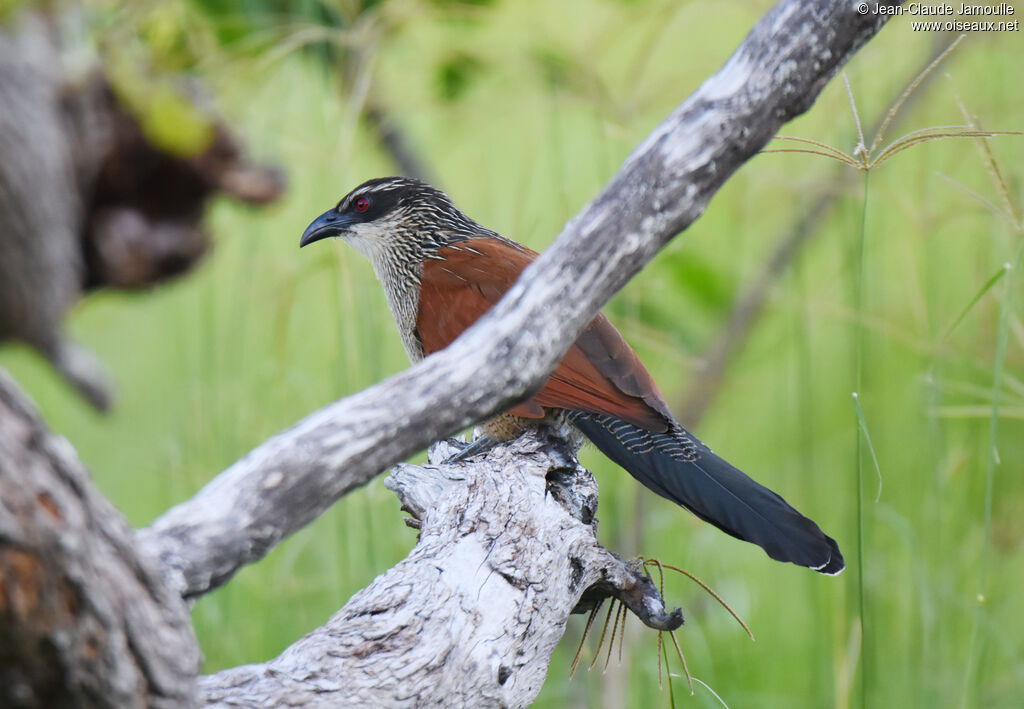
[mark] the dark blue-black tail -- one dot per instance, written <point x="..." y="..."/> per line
<point x="679" y="467"/>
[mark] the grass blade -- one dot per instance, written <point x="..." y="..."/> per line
<point x="1004" y="269"/>
<point x="713" y="692"/>
<point x="867" y="439"/>
<point x="991" y="458"/>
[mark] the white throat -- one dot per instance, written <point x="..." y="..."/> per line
<point x="373" y="241"/>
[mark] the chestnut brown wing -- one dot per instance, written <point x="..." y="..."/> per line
<point x="600" y="373"/>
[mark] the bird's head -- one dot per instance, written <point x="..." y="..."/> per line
<point x="393" y="216"/>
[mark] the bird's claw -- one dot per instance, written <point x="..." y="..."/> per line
<point x="469" y="450"/>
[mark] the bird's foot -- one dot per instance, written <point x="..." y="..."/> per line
<point x="469" y="450"/>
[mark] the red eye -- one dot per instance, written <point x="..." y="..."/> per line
<point x="362" y="204"/>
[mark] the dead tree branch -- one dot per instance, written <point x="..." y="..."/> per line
<point x="472" y="615"/>
<point x="84" y="619"/>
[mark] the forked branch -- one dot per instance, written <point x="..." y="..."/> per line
<point x="774" y="75"/>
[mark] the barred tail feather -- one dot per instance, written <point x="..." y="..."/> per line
<point x="680" y="468"/>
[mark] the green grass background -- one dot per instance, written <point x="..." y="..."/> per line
<point x="262" y="334"/>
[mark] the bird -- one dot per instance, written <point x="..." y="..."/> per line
<point x="440" y="271"/>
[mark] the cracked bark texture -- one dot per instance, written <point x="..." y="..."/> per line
<point x="84" y="619"/>
<point x="470" y="617"/>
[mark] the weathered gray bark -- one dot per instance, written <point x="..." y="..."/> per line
<point x="472" y="615"/>
<point x="510" y="525"/>
<point x="85" y="620"/>
<point x="663" y="186"/>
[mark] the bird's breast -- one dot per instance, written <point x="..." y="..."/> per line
<point x="402" y="293"/>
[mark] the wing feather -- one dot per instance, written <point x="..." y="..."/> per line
<point x="599" y="374"/>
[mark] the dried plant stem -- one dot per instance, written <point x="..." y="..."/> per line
<point x="583" y="640"/>
<point x="687" y="574"/>
<point x="911" y="88"/>
<point x="604" y="632"/>
<point x="682" y="659"/>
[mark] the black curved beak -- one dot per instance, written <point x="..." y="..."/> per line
<point x="330" y="223"/>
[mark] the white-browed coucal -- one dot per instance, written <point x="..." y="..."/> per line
<point x="441" y="271"/>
